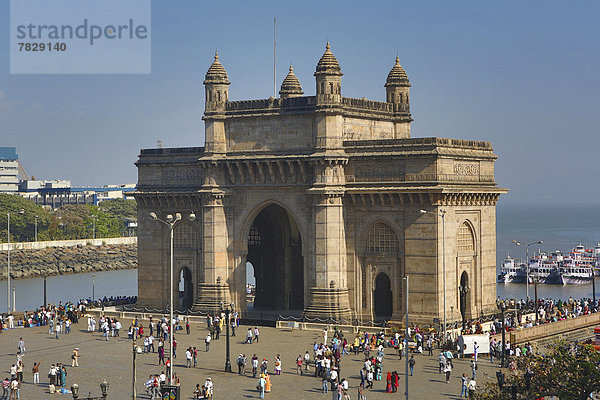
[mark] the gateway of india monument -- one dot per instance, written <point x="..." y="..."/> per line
<point x="328" y="200"/>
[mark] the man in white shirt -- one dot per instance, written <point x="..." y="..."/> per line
<point x="188" y="358"/>
<point x="209" y="386"/>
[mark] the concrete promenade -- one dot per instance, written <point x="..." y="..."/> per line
<point x="113" y="360"/>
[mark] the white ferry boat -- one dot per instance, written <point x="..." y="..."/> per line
<point x="550" y="268"/>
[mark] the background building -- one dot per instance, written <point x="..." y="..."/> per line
<point x="321" y="196"/>
<point x="9" y="170"/>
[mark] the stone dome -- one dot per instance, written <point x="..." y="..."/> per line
<point x="397" y="76"/>
<point x="290" y="87"/>
<point x="328" y="64"/>
<point x="216" y="73"/>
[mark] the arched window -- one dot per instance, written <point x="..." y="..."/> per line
<point x="382" y="239"/>
<point x="466" y="239"/>
<point x="183" y="236"/>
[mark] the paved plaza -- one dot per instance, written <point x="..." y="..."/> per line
<point x="113" y="360"/>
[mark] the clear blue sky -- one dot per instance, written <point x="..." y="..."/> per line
<point x="522" y="75"/>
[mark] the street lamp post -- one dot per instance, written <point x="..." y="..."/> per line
<point x="452" y="323"/>
<point x="8" y="268"/>
<point x="9" y="308"/>
<point x="93" y="288"/>
<point x="502" y="307"/>
<point x="93" y="226"/>
<point x="442" y="214"/>
<point x="171" y="223"/>
<point x="36" y="227"/>
<point x="228" y="310"/>
<point x="406" y="344"/>
<point x="527" y="261"/>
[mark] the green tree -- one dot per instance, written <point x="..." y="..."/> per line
<point x="569" y="372"/>
<point x="120" y="208"/>
<point x="23" y="213"/>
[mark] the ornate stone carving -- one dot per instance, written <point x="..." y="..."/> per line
<point x="380" y="171"/>
<point x="467" y="169"/>
<point x="176" y="176"/>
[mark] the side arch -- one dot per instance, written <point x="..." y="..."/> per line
<point x="380" y="256"/>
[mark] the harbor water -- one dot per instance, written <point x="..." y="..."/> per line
<point x="29" y="293"/>
<point x="561" y="227"/>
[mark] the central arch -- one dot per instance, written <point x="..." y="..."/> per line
<point x="275" y="252"/>
<point x="382" y="296"/>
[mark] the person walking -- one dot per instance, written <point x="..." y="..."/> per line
<point x="448" y="371"/>
<point x="441" y="362"/>
<point x="161" y="354"/>
<point x="75" y="357"/>
<point x="187" y="326"/>
<point x="369" y="379"/>
<point x="306" y="360"/>
<point x="464" y="381"/>
<point x="256" y="333"/>
<point x="249" y="336"/>
<point x="57" y="329"/>
<point x="195" y="357"/>
<point x="411" y="364"/>
<point x="474" y="369"/>
<point x="277" y="365"/>
<point x="472" y="387"/>
<point x="207" y="341"/>
<point x="5" y="388"/>
<point x="299" y="364"/>
<point x="361" y="392"/>
<point x="262" y="382"/>
<point x="430" y="346"/>
<point x="14" y="389"/>
<point x="21" y="346"/>
<point x="188" y="358"/>
<point x="254" y="365"/>
<point x="35" y="370"/>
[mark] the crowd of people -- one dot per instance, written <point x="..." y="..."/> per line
<point x="323" y="360"/>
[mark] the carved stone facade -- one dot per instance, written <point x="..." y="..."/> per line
<point x="323" y="196"/>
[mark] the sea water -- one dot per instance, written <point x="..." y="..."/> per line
<point x="559" y="226"/>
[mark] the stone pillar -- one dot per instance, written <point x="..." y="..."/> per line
<point x="215" y="288"/>
<point x="329" y="297"/>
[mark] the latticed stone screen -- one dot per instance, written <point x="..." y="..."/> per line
<point x="466" y="241"/>
<point x="183" y="236"/>
<point x="382" y="239"/>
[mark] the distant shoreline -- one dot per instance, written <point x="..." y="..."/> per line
<point x="58" y="273"/>
<point x="55" y="261"/>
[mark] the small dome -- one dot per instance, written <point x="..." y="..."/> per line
<point x="216" y="73"/>
<point x="328" y="64"/>
<point x="290" y="87"/>
<point x="397" y="76"/>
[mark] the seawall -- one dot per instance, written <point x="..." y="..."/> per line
<point x="69" y="258"/>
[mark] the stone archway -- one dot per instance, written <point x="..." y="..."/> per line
<point x="186" y="289"/>
<point x="382" y="297"/>
<point x="275" y="252"/>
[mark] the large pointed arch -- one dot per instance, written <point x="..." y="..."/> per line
<point x="274" y="248"/>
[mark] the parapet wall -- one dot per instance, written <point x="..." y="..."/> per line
<point x="68" y="243"/>
<point x="569" y="328"/>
